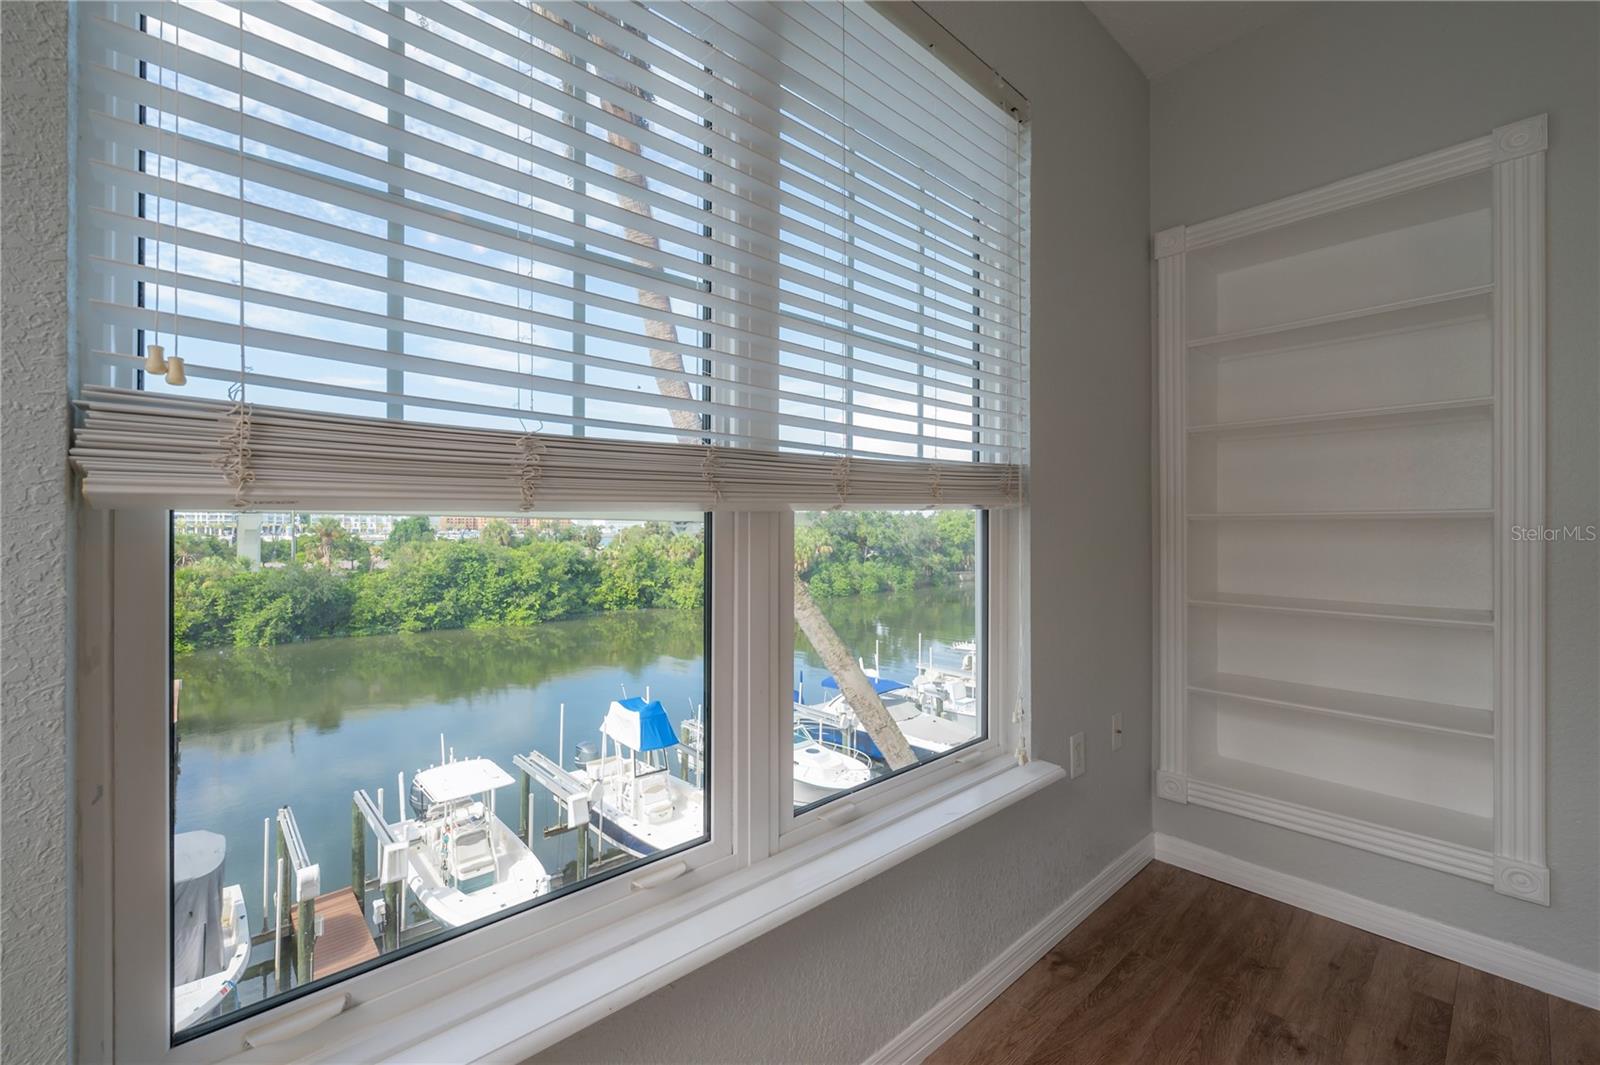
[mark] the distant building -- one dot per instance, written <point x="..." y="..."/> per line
<point x="461" y="523"/>
<point x="221" y="524"/>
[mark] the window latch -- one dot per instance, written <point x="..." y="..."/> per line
<point x="840" y="813"/>
<point x="657" y="877"/>
<point x="299" y="1022"/>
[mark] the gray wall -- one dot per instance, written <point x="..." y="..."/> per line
<point x="35" y="534"/>
<point x="835" y="984"/>
<point x="1343" y="90"/>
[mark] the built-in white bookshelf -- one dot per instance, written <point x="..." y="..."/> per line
<point x="1350" y="425"/>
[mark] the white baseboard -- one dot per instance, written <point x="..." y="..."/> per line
<point x="928" y="1032"/>
<point x="1519" y="964"/>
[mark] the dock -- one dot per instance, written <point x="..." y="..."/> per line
<point x="345" y="941"/>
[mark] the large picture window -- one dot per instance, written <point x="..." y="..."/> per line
<point x="424" y="346"/>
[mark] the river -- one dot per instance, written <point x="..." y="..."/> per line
<point x="307" y="724"/>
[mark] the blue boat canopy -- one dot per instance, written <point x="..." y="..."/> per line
<point x="881" y="685"/>
<point x="638" y="724"/>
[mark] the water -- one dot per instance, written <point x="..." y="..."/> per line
<point x="307" y="724"/>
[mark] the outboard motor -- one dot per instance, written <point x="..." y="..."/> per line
<point x="586" y="753"/>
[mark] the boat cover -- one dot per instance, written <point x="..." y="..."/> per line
<point x="881" y="685"/>
<point x="197" y="870"/>
<point x="639" y="724"/>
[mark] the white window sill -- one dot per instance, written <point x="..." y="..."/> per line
<point x="536" y="1002"/>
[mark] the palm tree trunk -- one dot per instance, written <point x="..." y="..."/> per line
<point x="853" y="682"/>
<point x="685" y="421"/>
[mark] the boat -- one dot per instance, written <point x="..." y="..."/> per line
<point x="820" y="771"/>
<point x="211" y="930"/>
<point x="462" y="862"/>
<point x="950" y="693"/>
<point x="635" y="802"/>
<point x="836" y="724"/>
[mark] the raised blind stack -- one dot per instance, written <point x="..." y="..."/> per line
<point x="1350" y="428"/>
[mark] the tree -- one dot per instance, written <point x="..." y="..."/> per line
<point x="326" y="532"/>
<point x="189" y="548"/>
<point x="498" y="533"/>
<point x="414" y="529"/>
<point x="857" y="690"/>
<point x="331" y="542"/>
<point x="880" y="725"/>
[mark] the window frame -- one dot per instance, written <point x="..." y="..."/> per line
<point x="124" y="840"/>
<point x="133" y="595"/>
<point x="791" y="826"/>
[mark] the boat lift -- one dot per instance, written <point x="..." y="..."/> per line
<point x="570" y="793"/>
<point x="300" y="878"/>
<point x="367" y="816"/>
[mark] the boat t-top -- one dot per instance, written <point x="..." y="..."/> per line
<point x="463" y="863"/>
<point x="634" y="800"/>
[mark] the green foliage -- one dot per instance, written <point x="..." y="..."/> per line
<point x="409" y="531"/>
<point x="648" y="566"/>
<point x="330" y="545"/>
<point x="285" y="603"/>
<point x="851" y="552"/>
<point x="423" y="584"/>
<point x="189" y="549"/>
<point x="498" y="533"/>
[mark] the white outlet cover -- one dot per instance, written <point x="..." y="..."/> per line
<point x="1075" y="758"/>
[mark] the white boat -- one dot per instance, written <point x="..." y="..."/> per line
<point x="836" y="723"/>
<point x="634" y="800"/>
<point x="949" y="692"/>
<point x="462" y="862"/>
<point x="211" y="929"/>
<point x="821" y="772"/>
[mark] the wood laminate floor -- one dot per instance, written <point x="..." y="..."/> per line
<point x="1179" y="968"/>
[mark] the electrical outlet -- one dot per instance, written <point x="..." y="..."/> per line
<point x="1116" y="732"/>
<point x="1075" y="758"/>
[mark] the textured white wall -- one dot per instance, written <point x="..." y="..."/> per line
<point x="36" y="518"/>
<point x="1350" y="88"/>
<point x="835" y="984"/>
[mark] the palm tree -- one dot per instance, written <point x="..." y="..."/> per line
<point x="328" y="532"/>
<point x="857" y="690"/>
<point x="853" y="683"/>
<point x="498" y="532"/>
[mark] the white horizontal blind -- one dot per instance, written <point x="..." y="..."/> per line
<point x="771" y="226"/>
<point x="141" y="449"/>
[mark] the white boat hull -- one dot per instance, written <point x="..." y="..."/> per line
<point x="674" y="817"/>
<point x="821" y="772"/>
<point x="519" y="878"/>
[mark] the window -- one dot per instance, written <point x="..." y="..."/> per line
<point x="400" y="727"/>
<point x="513" y="432"/>
<point x="899" y="594"/>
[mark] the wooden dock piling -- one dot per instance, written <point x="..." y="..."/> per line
<point x="358" y="859"/>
